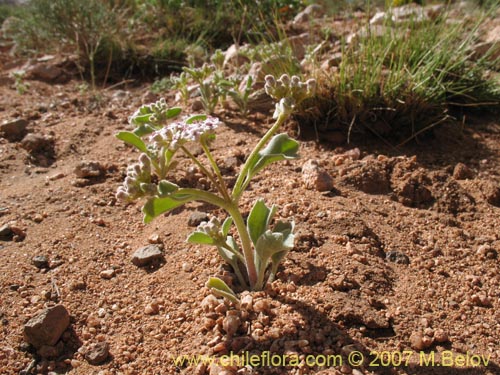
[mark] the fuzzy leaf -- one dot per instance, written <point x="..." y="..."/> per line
<point x="195" y="118"/>
<point x="226" y="225"/>
<point x="156" y="206"/>
<point x="133" y="140"/>
<point x="166" y="188"/>
<point x="200" y="238"/>
<point x="259" y="219"/>
<point x="143" y="130"/>
<point x="269" y="244"/>
<point x="219" y="287"/>
<point x="173" y="112"/>
<point x="280" y="147"/>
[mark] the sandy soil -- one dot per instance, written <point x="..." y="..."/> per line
<point x="402" y="255"/>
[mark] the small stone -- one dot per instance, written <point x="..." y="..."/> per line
<point x="246" y="302"/>
<point x="261" y="305"/>
<point x="196" y="218"/>
<point x="230" y="324"/>
<point x="154" y="239"/>
<point x="419" y="341"/>
<point x="38" y="218"/>
<point x="209" y="303"/>
<point x="47" y="351"/>
<point x="98" y="354"/>
<point x="440" y="336"/>
<point x="462" y="172"/>
<point x="89" y="169"/>
<point x="315" y="178"/>
<point x="6" y="233"/>
<point x="146" y="255"/>
<point x="152" y="308"/>
<point x="13" y="130"/>
<point x="187" y="267"/>
<point x="36" y="143"/>
<point x="197" y="105"/>
<point x="78" y="285"/>
<point x="40" y="261"/>
<point x="47" y="327"/>
<point x="107" y="274"/>
<point x="397" y="257"/>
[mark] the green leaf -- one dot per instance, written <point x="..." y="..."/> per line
<point x="269" y="244"/>
<point x="220" y="288"/>
<point x="259" y="219"/>
<point x="156" y="206"/>
<point x="226" y="225"/>
<point x="173" y="112"/>
<point x="280" y="147"/>
<point x="133" y="140"/>
<point x="142" y="119"/>
<point x="143" y="130"/>
<point x="195" y="118"/>
<point x="166" y="188"/>
<point x="200" y="238"/>
<point x="286" y="228"/>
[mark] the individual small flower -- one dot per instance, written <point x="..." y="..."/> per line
<point x="284" y="107"/>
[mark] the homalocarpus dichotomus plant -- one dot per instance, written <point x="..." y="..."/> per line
<point x="159" y="135"/>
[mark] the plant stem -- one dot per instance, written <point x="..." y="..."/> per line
<point x="216" y="169"/>
<point x="205" y="171"/>
<point x="246" y="243"/>
<point x="239" y="185"/>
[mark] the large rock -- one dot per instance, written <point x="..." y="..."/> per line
<point x="47" y="327"/>
<point x="147" y="255"/>
<point x="313" y="10"/>
<point x="37" y="143"/>
<point x="48" y="73"/>
<point x="13" y="130"/>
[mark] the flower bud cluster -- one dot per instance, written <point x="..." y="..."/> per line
<point x="212" y="228"/>
<point x="154" y="113"/>
<point x="289" y="92"/>
<point x="178" y="133"/>
<point x="137" y="184"/>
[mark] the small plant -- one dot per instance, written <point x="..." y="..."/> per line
<point x="21" y="86"/>
<point x="240" y="97"/>
<point x="159" y="136"/>
<point x="161" y="85"/>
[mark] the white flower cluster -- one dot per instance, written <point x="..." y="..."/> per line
<point x="289" y="92"/>
<point x="178" y="133"/>
<point x="138" y="181"/>
<point x="211" y="228"/>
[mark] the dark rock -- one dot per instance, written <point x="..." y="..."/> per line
<point x="36" y="143"/>
<point x="48" y="73"/>
<point x="13" y="130"/>
<point x="47" y="351"/>
<point x="462" y="172"/>
<point x="47" y="327"/>
<point x="98" y="354"/>
<point x="397" y="257"/>
<point x="40" y="261"/>
<point x="89" y="169"/>
<point x="6" y="233"/>
<point x="196" y="218"/>
<point x="147" y="255"/>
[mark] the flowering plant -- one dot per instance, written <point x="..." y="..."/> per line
<point x="159" y="136"/>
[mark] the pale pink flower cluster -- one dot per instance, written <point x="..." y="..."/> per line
<point x="178" y="133"/>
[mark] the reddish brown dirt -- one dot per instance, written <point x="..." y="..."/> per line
<point x="338" y="291"/>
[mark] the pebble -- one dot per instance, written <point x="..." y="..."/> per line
<point x="440" y="336"/>
<point x="147" y="255"/>
<point x="154" y="239"/>
<point x="40" y="261"/>
<point x="314" y="178"/>
<point x="209" y="303"/>
<point x="187" y="267"/>
<point x="107" y="274"/>
<point x="98" y="353"/>
<point x="13" y="130"/>
<point x="418" y="341"/>
<point x="36" y="143"/>
<point x="152" y="308"/>
<point x="6" y="233"/>
<point x="89" y="169"/>
<point x="261" y="305"/>
<point x="230" y="324"/>
<point x="397" y="257"/>
<point x="47" y="327"/>
<point x="196" y="218"/>
<point x="462" y="172"/>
